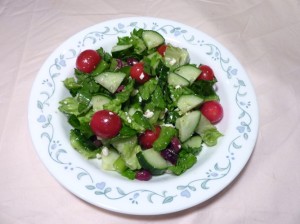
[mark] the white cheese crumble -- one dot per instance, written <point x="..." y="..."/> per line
<point x="105" y="151"/>
<point x="142" y="76"/>
<point x="129" y="120"/>
<point x="177" y="87"/>
<point x="140" y="99"/>
<point x="148" y="114"/>
<point x="168" y="125"/>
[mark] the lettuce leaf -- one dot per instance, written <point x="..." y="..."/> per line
<point x="210" y="136"/>
<point x="83" y="145"/>
<point x="205" y="89"/>
<point x="185" y="161"/>
<point x="165" y="137"/>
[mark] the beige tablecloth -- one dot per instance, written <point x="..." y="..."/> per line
<point x="263" y="34"/>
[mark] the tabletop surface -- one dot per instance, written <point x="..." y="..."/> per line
<point x="262" y="34"/>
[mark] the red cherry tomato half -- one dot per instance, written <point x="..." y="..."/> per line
<point x="212" y="110"/>
<point x="147" y="139"/>
<point x="106" y="124"/>
<point x="138" y="74"/>
<point x="162" y="49"/>
<point x="87" y="61"/>
<point x="206" y="73"/>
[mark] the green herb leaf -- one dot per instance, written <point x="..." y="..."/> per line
<point x="165" y="137"/>
<point x="83" y="145"/>
<point x="210" y="136"/>
<point x="184" y="162"/>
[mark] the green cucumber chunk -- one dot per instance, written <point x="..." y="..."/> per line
<point x="187" y="124"/>
<point x="128" y="148"/>
<point x="177" y="80"/>
<point x="203" y="125"/>
<point x="189" y="72"/>
<point x="187" y="102"/>
<point x="98" y="101"/>
<point x="120" y="51"/>
<point x="152" y="161"/>
<point x="152" y="39"/>
<point x="109" y="157"/>
<point x="193" y="145"/>
<point x="175" y="56"/>
<point x="110" y="80"/>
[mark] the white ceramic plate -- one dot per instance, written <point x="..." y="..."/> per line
<point x="216" y="167"/>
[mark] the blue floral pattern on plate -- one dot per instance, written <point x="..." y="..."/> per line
<point x="46" y="132"/>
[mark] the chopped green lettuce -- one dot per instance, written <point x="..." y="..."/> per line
<point x="165" y="137"/>
<point x="185" y="161"/>
<point x="210" y="136"/>
<point x="83" y="145"/>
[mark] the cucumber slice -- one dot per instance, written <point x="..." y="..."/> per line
<point x="152" y="161"/>
<point x="152" y="39"/>
<point x="187" y="124"/>
<point x="108" y="159"/>
<point x="177" y="80"/>
<point x="187" y="102"/>
<point x="128" y="149"/>
<point x="119" y="51"/>
<point x="188" y="72"/>
<point x="110" y="80"/>
<point x="204" y="124"/>
<point x="120" y="165"/>
<point x="98" y="101"/>
<point x="175" y="56"/>
<point x="193" y="144"/>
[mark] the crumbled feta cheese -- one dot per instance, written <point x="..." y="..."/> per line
<point x="105" y="151"/>
<point x="168" y="125"/>
<point x="148" y="114"/>
<point x="177" y="87"/>
<point x="140" y="99"/>
<point x="142" y="76"/>
<point x="129" y="120"/>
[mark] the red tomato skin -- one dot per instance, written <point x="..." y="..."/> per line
<point x="206" y="73"/>
<point x="147" y="139"/>
<point x="162" y="49"/>
<point x="213" y="111"/>
<point x="87" y="61"/>
<point x="138" y="74"/>
<point x="106" y="124"/>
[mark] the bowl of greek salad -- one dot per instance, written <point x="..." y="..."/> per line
<point x="143" y="111"/>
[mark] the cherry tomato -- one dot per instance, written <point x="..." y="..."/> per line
<point x="106" y="124"/>
<point x="162" y="49"/>
<point x="206" y="73"/>
<point x="137" y="73"/>
<point x="147" y="139"/>
<point x="87" y="61"/>
<point x="212" y="110"/>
